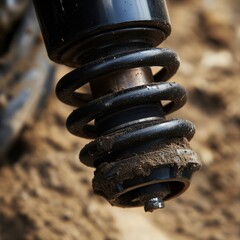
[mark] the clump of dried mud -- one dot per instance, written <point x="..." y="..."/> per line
<point x="45" y="193"/>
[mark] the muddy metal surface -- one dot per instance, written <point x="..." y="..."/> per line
<point x="45" y="193"/>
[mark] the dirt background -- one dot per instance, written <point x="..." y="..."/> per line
<point x="45" y="193"/>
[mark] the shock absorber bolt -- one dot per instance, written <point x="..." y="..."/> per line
<point x="154" y="204"/>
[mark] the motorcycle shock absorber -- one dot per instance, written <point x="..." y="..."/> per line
<point x="141" y="158"/>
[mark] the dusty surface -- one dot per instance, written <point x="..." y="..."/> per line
<point x="46" y="194"/>
<point x="109" y="175"/>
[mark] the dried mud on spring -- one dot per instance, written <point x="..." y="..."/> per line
<point x="46" y="193"/>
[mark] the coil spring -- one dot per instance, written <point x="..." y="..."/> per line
<point x="114" y="145"/>
<point x="88" y="110"/>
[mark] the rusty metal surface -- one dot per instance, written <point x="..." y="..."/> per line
<point x="121" y="80"/>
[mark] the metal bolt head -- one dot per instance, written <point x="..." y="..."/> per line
<point x="153" y="204"/>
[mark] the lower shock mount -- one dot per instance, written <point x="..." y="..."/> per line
<point x="141" y="158"/>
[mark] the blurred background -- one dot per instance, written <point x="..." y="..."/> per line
<point x="45" y="193"/>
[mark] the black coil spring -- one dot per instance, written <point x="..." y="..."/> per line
<point x="88" y="109"/>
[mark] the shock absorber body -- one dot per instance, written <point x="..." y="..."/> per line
<point x="141" y="159"/>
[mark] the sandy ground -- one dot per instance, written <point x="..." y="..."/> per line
<point x="45" y="193"/>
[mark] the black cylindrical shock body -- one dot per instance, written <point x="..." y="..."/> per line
<point x="75" y="28"/>
<point x="141" y="159"/>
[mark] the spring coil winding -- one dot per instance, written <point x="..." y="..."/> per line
<point x="87" y="109"/>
